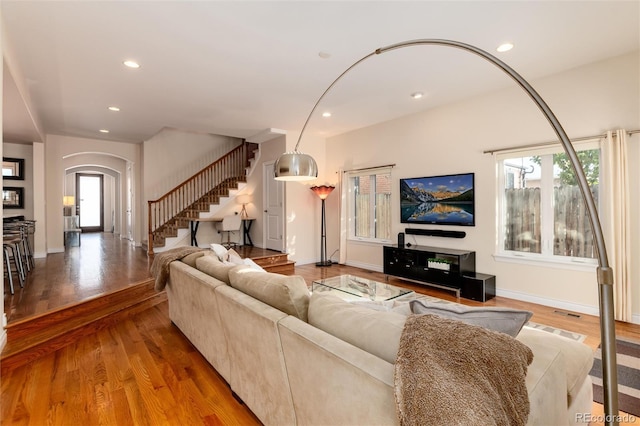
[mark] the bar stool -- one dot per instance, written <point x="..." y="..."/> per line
<point x="31" y="230"/>
<point x="26" y="257"/>
<point x="11" y="250"/>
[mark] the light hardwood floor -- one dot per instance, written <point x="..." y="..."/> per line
<point x="144" y="371"/>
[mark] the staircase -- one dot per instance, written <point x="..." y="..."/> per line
<point x="199" y="196"/>
<point x="277" y="263"/>
<point x="269" y="260"/>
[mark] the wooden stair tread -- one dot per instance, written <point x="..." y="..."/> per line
<point x="271" y="259"/>
<point x="285" y="268"/>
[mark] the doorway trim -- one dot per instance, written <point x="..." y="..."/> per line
<point x="99" y="228"/>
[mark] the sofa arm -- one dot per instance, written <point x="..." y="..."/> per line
<point x="578" y="357"/>
<point x="333" y="382"/>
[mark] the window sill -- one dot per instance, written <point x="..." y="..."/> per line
<point x="368" y="241"/>
<point x="571" y="263"/>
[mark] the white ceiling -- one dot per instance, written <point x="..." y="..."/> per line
<point x="237" y="68"/>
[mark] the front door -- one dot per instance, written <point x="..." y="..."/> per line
<point x="89" y="202"/>
<point x="273" y="209"/>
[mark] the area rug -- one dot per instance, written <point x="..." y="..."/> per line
<point x="628" y="357"/>
<point x="560" y="332"/>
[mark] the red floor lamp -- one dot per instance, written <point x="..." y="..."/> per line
<point x="323" y="192"/>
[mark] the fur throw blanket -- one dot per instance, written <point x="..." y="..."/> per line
<point x="160" y="266"/>
<point x="449" y="372"/>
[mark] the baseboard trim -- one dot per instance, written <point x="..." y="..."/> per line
<point x="554" y="303"/>
<point x="371" y="267"/>
<point x="305" y="261"/>
<point x="560" y="304"/>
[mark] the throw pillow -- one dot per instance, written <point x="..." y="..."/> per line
<point x="504" y="320"/>
<point x="253" y="265"/>
<point x="220" y="251"/>
<point x="373" y="331"/>
<point x="286" y="293"/>
<point x="234" y="257"/>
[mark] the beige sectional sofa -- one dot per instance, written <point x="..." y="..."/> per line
<point x="277" y="348"/>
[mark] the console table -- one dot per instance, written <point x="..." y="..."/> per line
<point x="71" y="231"/>
<point x="246" y="227"/>
<point x="449" y="269"/>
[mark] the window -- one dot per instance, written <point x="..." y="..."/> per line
<point x="370" y="205"/>
<point x="542" y="214"/>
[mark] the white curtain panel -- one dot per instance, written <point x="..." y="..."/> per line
<point x="344" y="217"/>
<point x="616" y="208"/>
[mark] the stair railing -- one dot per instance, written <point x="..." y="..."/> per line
<point x="182" y="197"/>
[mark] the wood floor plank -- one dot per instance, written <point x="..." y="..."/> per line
<point x="153" y="405"/>
<point x="120" y="407"/>
<point x="40" y="391"/>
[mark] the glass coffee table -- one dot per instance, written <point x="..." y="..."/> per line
<point x="351" y="287"/>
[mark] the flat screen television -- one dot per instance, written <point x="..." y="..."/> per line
<point x="438" y="200"/>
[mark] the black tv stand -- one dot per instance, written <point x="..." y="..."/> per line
<point x="444" y="268"/>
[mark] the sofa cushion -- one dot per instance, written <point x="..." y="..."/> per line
<point x="190" y="259"/>
<point x="504" y="320"/>
<point x="371" y="330"/>
<point x="286" y="293"/>
<point x="210" y="265"/>
<point x="578" y="357"/>
<point x="397" y="306"/>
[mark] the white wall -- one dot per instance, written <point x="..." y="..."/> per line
<point x="269" y="152"/>
<point x="451" y="139"/>
<point x="172" y="156"/>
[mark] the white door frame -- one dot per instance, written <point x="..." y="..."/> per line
<point x="273" y="208"/>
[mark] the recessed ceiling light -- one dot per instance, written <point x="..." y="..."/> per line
<point x="417" y="95"/>
<point x="114" y="108"/>
<point x="131" y="64"/>
<point x="505" y="47"/>
<point x="326" y="114"/>
<point x="104" y="131"/>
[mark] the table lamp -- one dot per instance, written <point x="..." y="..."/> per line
<point x="68" y="201"/>
<point x="243" y="199"/>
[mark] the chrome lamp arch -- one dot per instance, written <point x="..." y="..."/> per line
<point x="296" y="166"/>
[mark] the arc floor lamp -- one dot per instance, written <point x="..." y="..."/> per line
<point x="296" y="166"/>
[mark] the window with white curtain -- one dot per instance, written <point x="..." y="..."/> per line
<point x="369" y="198"/>
<point x="541" y="213"/>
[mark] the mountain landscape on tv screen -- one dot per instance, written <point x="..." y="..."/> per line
<point x="438" y="200"/>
